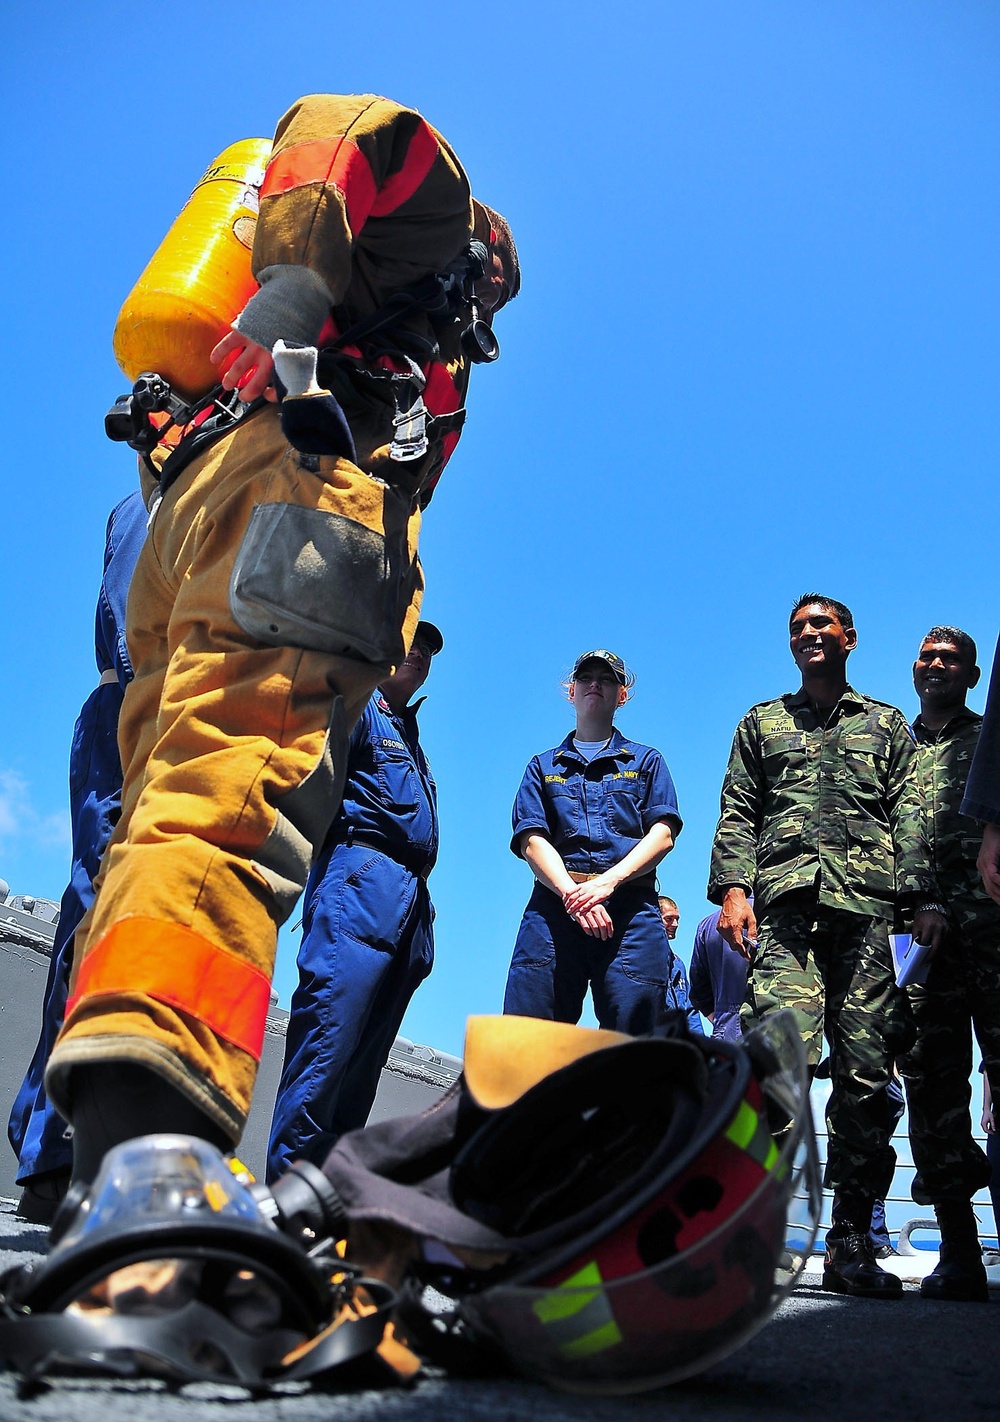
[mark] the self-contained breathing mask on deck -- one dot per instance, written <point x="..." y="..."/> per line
<point x="603" y="1213"/>
<point x="170" y="1264"/>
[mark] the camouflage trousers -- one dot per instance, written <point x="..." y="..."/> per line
<point x="833" y="969"/>
<point x="962" y="993"/>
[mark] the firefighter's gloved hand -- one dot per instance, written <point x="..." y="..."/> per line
<point x="311" y="419"/>
<point x="296" y="369"/>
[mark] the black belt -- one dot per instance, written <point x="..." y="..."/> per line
<point x="422" y="871"/>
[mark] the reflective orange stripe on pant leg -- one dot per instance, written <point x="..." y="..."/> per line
<point x="177" y="966"/>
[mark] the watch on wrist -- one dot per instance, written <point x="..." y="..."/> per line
<point x="931" y="907"/>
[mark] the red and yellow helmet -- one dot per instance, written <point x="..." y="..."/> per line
<point x="608" y="1213"/>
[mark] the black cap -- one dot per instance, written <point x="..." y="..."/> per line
<point x="615" y="662"/>
<point x="430" y="635"/>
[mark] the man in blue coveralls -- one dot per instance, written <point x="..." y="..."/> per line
<point x="36" y="1130"/>
<point x="718" y="979"/>
<point x="593" y="818"/>
<point x="367" y="941"/>
<point x="678" y="988"/>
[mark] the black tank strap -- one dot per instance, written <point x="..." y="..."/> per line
<point x="203" y="436"/>
<point x="438" y="295"/>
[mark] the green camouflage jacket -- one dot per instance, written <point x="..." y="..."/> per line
<point x="833" y="805"/>
<point x="942" y="768"/>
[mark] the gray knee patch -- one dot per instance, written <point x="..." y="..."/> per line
<point x="319" y="580"/>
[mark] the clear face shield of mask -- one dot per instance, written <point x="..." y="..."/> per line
<point x="161" y="1179"/>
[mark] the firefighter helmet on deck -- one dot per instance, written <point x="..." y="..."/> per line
<point x="610" y="1225"/>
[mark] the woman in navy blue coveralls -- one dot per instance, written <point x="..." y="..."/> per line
<point x="593" y="818"/>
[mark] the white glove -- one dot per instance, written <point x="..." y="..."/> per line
<point x="296" y="368"/>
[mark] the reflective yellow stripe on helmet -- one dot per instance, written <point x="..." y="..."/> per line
<point x="577" y="1315"/>
<point x="748" y="1131"/>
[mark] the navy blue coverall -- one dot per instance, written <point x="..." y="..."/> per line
<point x="593" y="814"/>
<point x="679" y="994"/>
<point x="367" y="940"/>
<point x="718" y="979"/>
<point x="36" y="1130"/>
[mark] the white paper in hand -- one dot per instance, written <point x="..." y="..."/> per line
<point x="911" y="960"/>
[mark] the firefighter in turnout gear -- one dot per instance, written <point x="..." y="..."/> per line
<point x="277" y="588"/>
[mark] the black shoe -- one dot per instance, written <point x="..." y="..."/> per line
<point x="850" y="1268"/>
<point x="955" y="1281"/>
<point x="959" y="1276"/>
<point x="42" y="1196"/>
<point x="885" y="1251"/>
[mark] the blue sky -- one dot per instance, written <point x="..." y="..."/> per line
<point x="755" y="352"/>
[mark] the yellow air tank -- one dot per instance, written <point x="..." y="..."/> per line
<point x="198" y="279"/>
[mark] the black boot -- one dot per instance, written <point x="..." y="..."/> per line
<point x="959" y="1276"/>
<point x="113" y="1102"/>
<point x="42" y="1196"/>
<point x="851" y="1267"/>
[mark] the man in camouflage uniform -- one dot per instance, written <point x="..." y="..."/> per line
<point x="963" y="984"/>
<point x="821" y="822"/>
<point x="982" y="791"/>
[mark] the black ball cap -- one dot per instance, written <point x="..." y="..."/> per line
<point x="610" y="658"/>
<point x="430" y="636"/>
